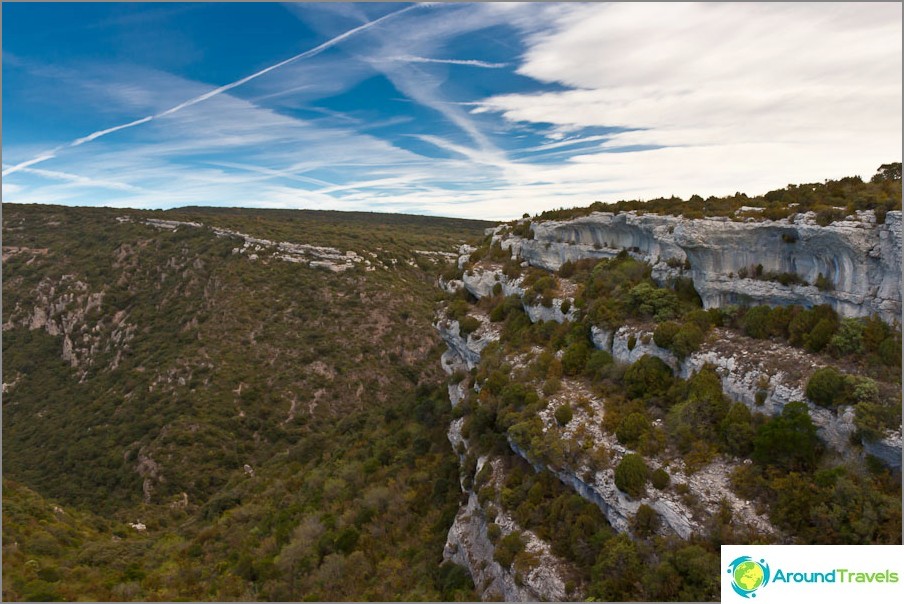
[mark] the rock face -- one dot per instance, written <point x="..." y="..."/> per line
<point x="468" y="544"/>
<point x="66" y="307"/>
<point x="748" y="369"/>
<point x="859" y="258"/>
<point x="465" y="349"/>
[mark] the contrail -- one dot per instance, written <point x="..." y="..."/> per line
<point x="304" y="55"/>
<point x="469" y="62"/>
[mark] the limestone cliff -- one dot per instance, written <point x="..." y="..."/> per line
<point x="859" y="260"/>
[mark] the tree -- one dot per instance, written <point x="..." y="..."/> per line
<point x="631" y="475"/>
<point x="575" y="357"/>
<point x="665" y="334"/>
<point x="564" y="414"/>
<point x="756" y="322"/>
<point x="887" y="172"/>
<point x="788" y="441"/>
<point x="687" y="340"/>
<point x="631" y="429"/>
<point x="826" y="387"/>
<point x="648" y="376"/>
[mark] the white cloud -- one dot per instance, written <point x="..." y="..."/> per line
<point x="767" y="93"/>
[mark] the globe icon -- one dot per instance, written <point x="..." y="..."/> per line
<point x="748" y="575"/>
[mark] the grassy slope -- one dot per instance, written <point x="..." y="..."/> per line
<point x="202" y="361"/>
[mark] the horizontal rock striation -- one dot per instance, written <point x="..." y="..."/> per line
<point x="859" y="259"/>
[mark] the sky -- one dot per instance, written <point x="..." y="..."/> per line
<point x="454" y="109"/>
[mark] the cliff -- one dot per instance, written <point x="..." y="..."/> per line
<point x="859" y="260"/>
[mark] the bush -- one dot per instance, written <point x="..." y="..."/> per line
<point x="645" y="521"/>
<point x="687" y="340"/>
<point x="596" y="362"/>
<point x="647" y="300"/>
<point x="648" y="376"/>
<point x="575" y="357"/>
<point x="660" y="479"/>
<point x="665" y="334"/>
<point x="631" y="475"/>
<point x="826" y="387"/>
<point x="631" y="429"/>
<point x="756" y="322"/>
<point x="567" y="269"/>
<point x="890" y="352"/>
<point x="509" y="546"/>
<point x="788" y="441"/>
<point x="564" y="414"/>
<point x="468" y="325"/>
<point x="737" y="430"/>
<point x="820" y="335"/>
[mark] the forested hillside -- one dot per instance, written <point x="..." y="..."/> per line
<point x="222" y="404"/>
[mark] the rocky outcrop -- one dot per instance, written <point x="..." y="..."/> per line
<point x="469" y="545"/>
<point x="886" y="450"/>
<point x="860" y="259"/>
<point x="763" y="375"/>
<point x="66" y="308"/>
<point x="466" y="348"/>
<point x="708" y="485"/>
<point x="481" y="282"/>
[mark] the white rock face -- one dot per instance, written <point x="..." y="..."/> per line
<point x="538" y="312"/>
<point x="862" y="260"/>
<point x="481" y="283"/>
<point x="466" y="348"/>
<point x="468" y="544"/>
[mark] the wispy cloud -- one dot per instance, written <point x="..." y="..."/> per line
<point x="81" y="180"/>
<point x="216" y="91"/>
<point x="467" y="62"/>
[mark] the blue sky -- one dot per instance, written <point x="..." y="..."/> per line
<point x="471" y="110"/>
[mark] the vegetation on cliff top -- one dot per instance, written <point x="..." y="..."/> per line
<point x="831" y="200"/>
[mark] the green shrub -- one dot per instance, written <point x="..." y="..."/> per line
<point x="567" y="269"/>
<point x="660" y="479"/>
<point x="820" y="335"/>
<point x="687" y="340"/>
<point x="890" y="351"/>
<point x="631" y="475"/>
<point x="822" y="283"/>
<point x="648" y="376"/>
<point x="659" y="303"/>
<point x="756" y="322"/>
<point x="468" y="325"/>
<point x="737" y="430"/>
<point x="631" y="429"/>
<point x="493" y="532"/>
<point x="699" y="415"/>
<point x="508" y="547"/>
<point x="665" y="334"/>
<point x="788" y="441"/>
<point x="645" y="521"/>
<point x="564" y="414"/>
<point x="575" y="357"/>
<point x="826" y="387"/>
<point x="596" y="362"/>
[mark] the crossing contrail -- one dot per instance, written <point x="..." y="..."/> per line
<point x="203" y="97"/>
